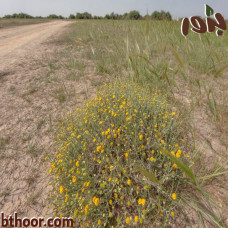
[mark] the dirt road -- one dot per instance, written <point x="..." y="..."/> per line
<point x="28" y="106"/>
<point x="16" y="42"/>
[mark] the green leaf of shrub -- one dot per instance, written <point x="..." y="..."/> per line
<point x="150" y="175"/>
<point x="181" y="165"/>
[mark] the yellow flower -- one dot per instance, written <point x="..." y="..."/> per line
<point x="128" y="203"/>
<point x="177" y="155"/>
<point x="86" y="209"/>
<point x="175" y="166"/>
<point x="94" y="140"/>
<point x="128" y="220"/>
<point x="174" y="196"/>
<point x="61" y="189"/>
<point x="140" y="137"/>
<point x="77" y="164"/>
<point x="151" y="159"/>
<point x="136" y="218"/>
<point x="143" y="202"/>
<point x="179" y="152"/>
<point x="96" y="201"/>
<point x="110" y="202"/>
<point x="64" y="148"/>
<point x="67" y="197"/>
<point x="74" y="179"/>
<point x="126" y="155"/>
<point x="129" y="182"/>
<point x="139" y="201"/>
<point x="99" y="222"/>
<point x="172" y="213"/>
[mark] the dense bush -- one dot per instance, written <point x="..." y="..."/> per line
<point x="134" y="15"/>
<point x="110" y="166"/>
<point x="72" y="16"/>
<point x="19" y="15"/>
<point x="54" y="16"/>
<point x="84" y="15"/>
<point x="161" y="15"/>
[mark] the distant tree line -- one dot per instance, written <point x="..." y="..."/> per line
<point x="24" y="15"/>
<point x="133" y="15"/>
<point x="18" y="15"/>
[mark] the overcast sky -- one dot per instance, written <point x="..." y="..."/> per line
<point x="178" y="8"/>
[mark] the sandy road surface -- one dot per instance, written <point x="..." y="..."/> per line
<point x="16" y="42"/>
<point x="27" y="106"/>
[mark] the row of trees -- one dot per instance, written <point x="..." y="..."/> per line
<point x="133" y="15"/>
<point x="24" y="15"/>
<point x="18" y="15"/>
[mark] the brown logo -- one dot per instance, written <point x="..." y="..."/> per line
<point x="202" y="26"/>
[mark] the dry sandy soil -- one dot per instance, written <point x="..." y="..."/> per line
<point x="31" y="99"/>
<point x="16" y="42"/>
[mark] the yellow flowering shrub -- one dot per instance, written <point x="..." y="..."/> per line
<point x="99" y="147"/>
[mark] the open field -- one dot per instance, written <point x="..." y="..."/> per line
<point x="17" y="22"/>
<point x="50" y="69"/>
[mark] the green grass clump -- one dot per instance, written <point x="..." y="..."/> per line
<point x="111" y="167"/>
